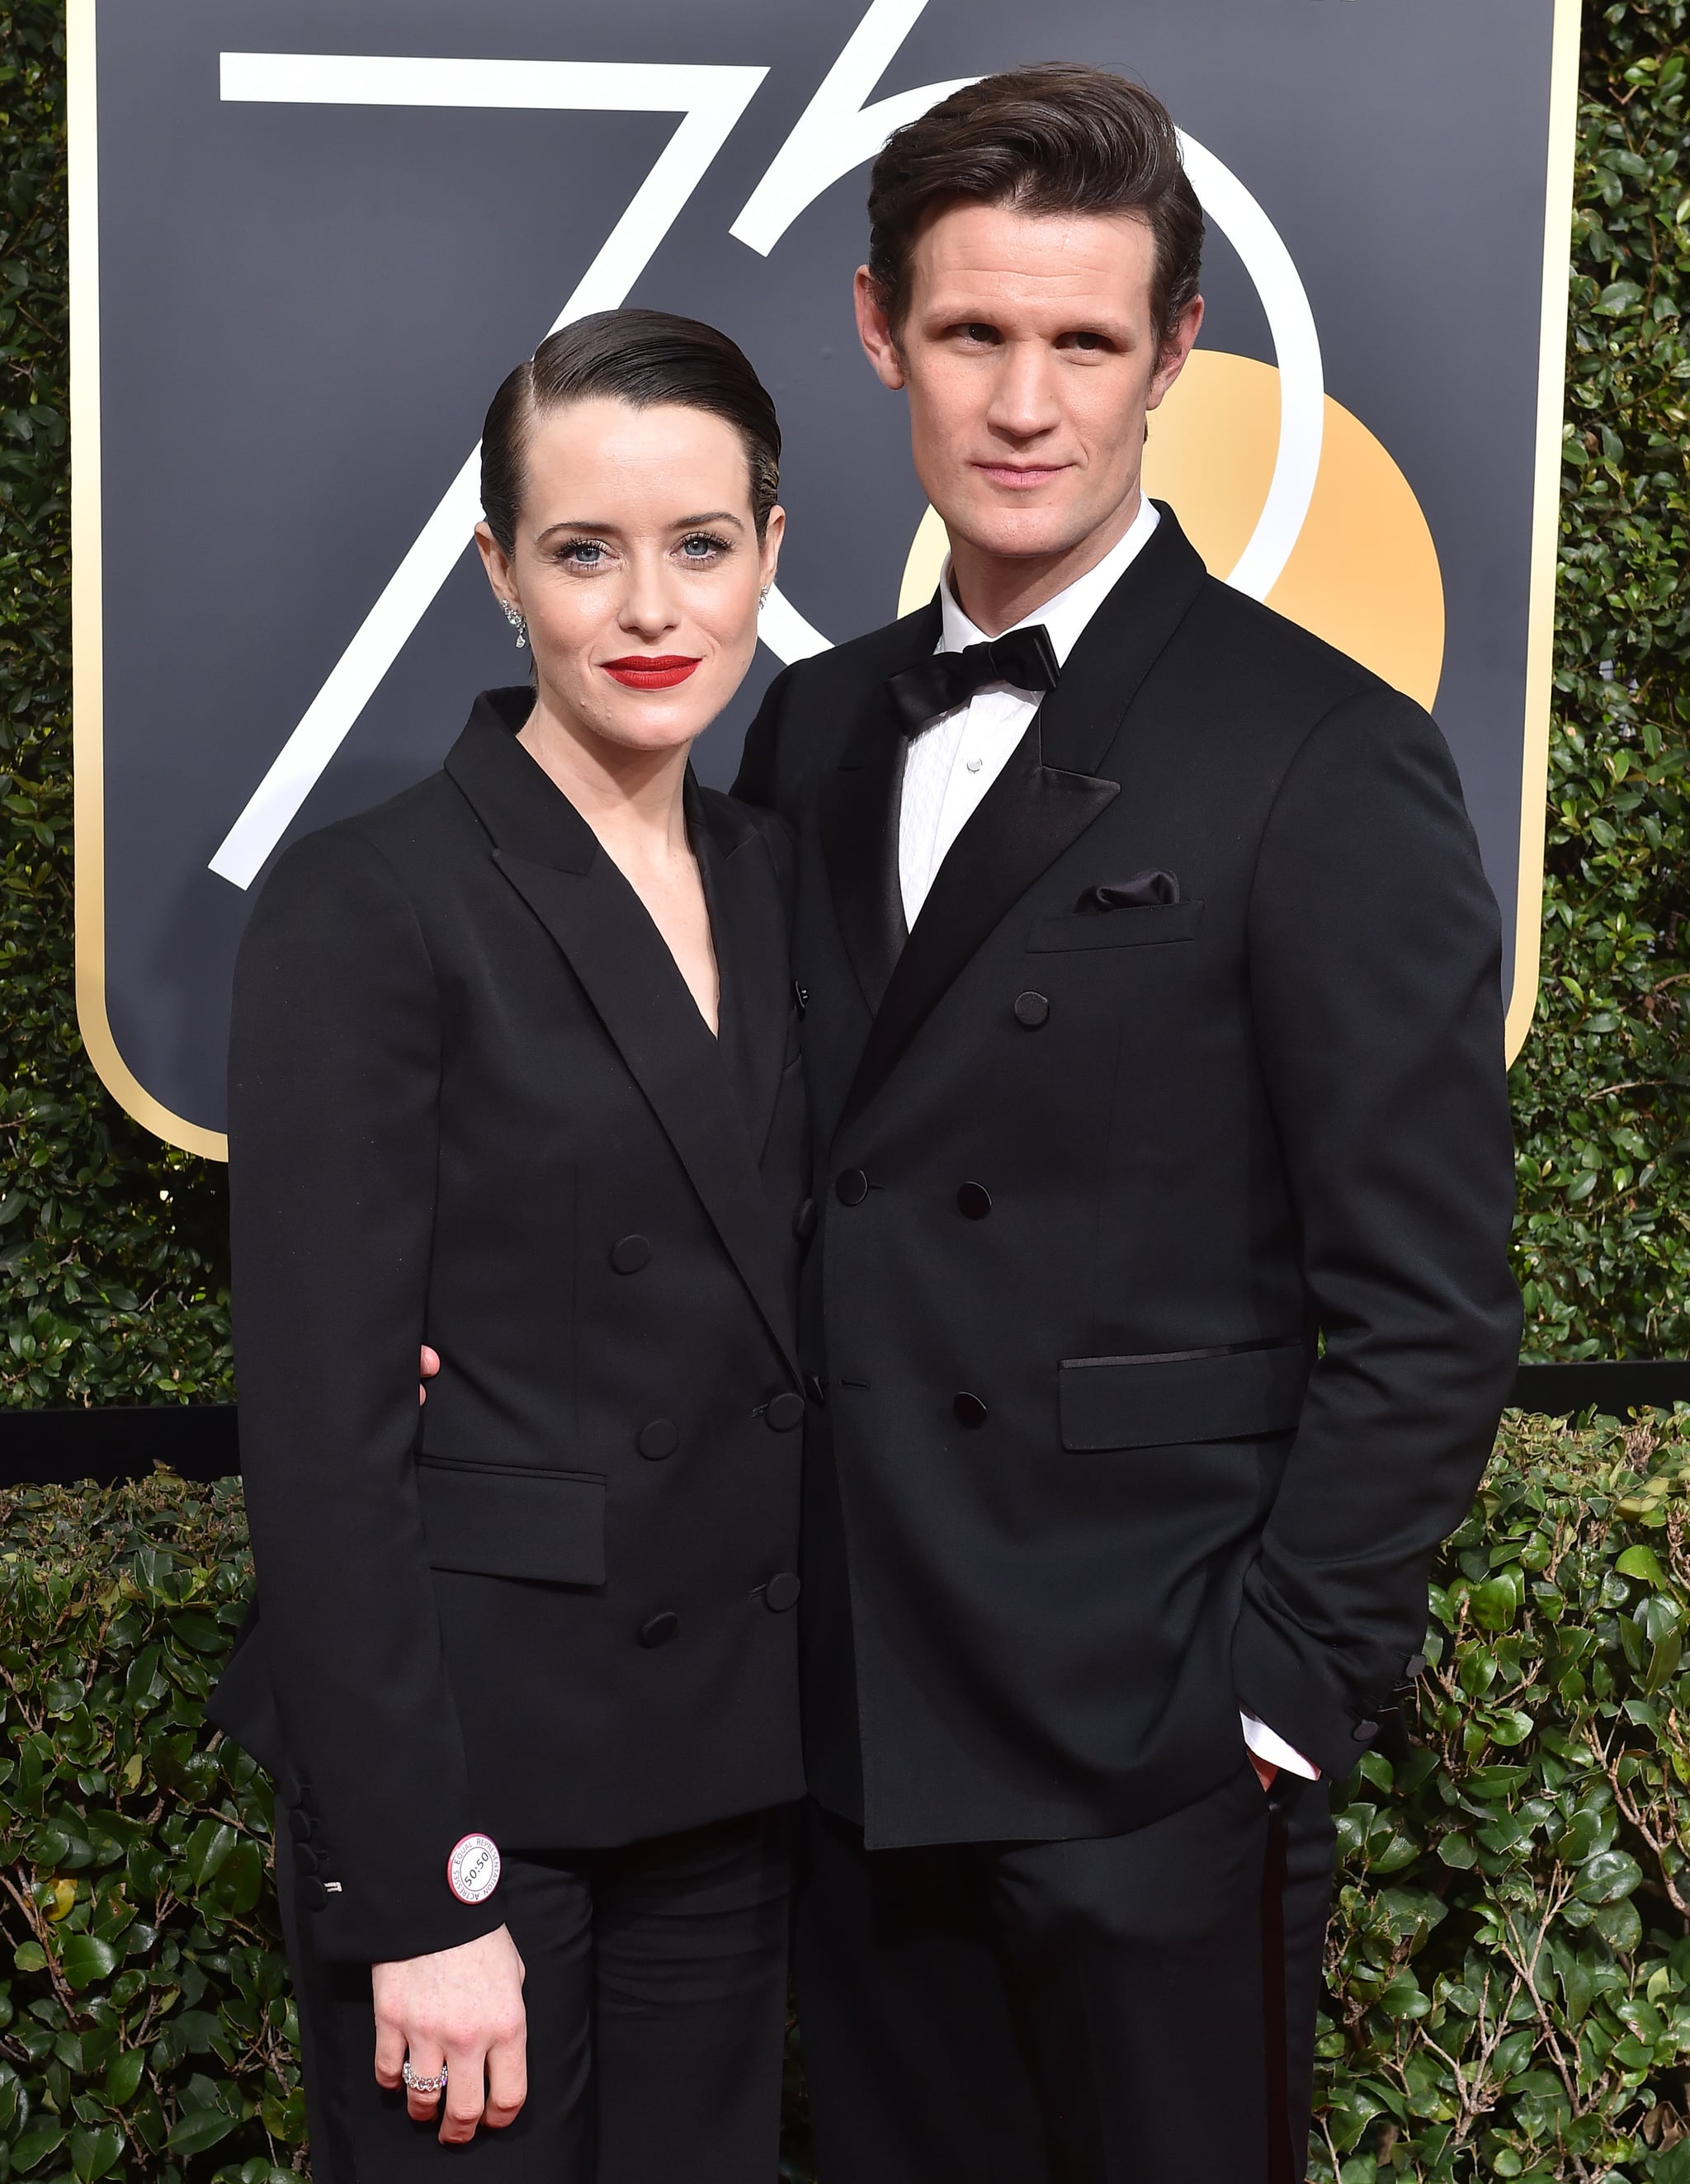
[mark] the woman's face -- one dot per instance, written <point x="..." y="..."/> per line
<point x="638" y="568"/>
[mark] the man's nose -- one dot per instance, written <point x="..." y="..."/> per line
<point x="1024" y="402"/>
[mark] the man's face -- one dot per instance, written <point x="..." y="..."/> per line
<point x="1030" y="357"/>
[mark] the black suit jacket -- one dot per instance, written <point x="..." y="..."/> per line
<point x="472" y="1103"/>
<point x="1163" y="1415"/>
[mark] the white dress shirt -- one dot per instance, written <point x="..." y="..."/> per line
<point x="954" y="761"/>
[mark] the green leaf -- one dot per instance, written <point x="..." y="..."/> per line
<point x="1639" y="1561"/>
<point x="95" y="2154"/>
<point x="35" y="2145"/>
<point x="207" y="1847"/>
<point x="124" y="2075"/>
<point x="84" y="1959"/>
<point x="197" y="2130"/>
<point x="1608" y="1875"/>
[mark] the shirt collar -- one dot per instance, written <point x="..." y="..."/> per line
<point x="1065" y="616"/>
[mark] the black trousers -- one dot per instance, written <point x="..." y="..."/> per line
<point x="1129" y="2009"/>
<point x="656" y="2003"/>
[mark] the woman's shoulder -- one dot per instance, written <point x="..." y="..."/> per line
<point x="388" y="851"/>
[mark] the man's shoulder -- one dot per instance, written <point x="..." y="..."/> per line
<point x="1275" y="653"/>
<point x="861" y="664"/>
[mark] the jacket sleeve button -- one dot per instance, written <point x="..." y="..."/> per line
<point x="630" y="1254"/>
<point x="1031" y="1010"/>
<point x="781" y="1592"/>
<point x="784" y="1410"/>
<point x="1365" y="1731"/>
<point x="659" y="1630"/>
<point x="657" y="1440"/>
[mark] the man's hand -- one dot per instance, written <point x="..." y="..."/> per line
<point x="460" y="2010"/>
<point x="1266" y="1772"/>
<point x="428" y="1365"/>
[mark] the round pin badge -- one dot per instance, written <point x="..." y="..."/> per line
<point x="472" y="1870"/>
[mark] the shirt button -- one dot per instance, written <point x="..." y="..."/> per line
<point x="784" y="1411"/>
<point x="660" y="1629"/>
<point x="852" y="1187"/>
<point x="658" y="1439"/>
<point x="781" y="1592"/>
<point x="1031" y="1010"/>
<point x="975" y="1201"/>
<point x="630" y="1254"/>
<point x="969" y="1409"/>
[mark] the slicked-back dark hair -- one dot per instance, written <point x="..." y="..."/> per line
<point x="644" y="358"/>
<point x="1055" y="138"/>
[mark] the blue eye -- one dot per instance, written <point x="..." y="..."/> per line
<point x="703" y="546"/>
<point x="586" y="553"/>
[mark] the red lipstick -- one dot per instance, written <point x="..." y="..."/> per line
<point x="650" y="671"/>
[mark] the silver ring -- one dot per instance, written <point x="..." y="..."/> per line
<point x="434" y="2085"/>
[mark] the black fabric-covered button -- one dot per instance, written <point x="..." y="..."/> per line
<point x="969" y="1409"/>
<point x="784" y="1410"/>
<point x="1031" y="1010"/>
<point x="659" y="1630"/>
<point x="974" y="1200"/>
<point x="1414" y="1665"/>
<point x="312" y="1894"/>
<point x="658" y="1439"/>
<point x="804" y="1221"/>
<point x="299" y="1824"/>
<point x="781" y="1592"/>
<point x="815" y="1387"/>
<point x="852" y="1187"/>
<point x="307" y="1859"/>
<point x="628" y="1255"/>
<point x="1365" y="1731"/>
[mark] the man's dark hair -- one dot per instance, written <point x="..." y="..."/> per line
<point x="1056" y="138"/>
<point x="644" y="358"/>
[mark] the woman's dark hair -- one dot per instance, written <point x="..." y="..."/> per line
<point x="1056" y="138"/>
<point x="644" y="358"/>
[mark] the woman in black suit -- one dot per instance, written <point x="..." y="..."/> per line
<point x="514" y="1074"/>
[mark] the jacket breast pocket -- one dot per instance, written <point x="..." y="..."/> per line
<point x="1192" y="1396"/>
<point x="507" y="1521"/>
<point x="1145" y="925"/>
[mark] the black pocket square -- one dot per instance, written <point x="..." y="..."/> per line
<point x="1141" y="892"/>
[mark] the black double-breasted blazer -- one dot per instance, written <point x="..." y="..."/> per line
<point x="472" y="1103"/>
<point x="1161" y="1294"/>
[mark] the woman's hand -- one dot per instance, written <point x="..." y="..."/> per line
<point x="460" y="2010"/>
<point x="427" y="1365"/>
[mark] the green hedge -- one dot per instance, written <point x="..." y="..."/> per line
<point x="111" y="1250"/>
<point x="1509" y="1964"/>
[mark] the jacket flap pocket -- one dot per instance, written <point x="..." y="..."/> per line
<point x="1160" y="1403"/>
<point x="1136" y="926"/>
<point x="507" y="1522"/>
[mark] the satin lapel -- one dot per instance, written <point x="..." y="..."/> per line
<point x="1045" y="798"/>
<point x="631" y="980"/>
<point x="857" y="812"/>
<point x="748" y="920"/>
<point x="1023" y="824"/>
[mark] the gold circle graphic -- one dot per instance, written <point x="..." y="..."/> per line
<point x="1363" y="574"/>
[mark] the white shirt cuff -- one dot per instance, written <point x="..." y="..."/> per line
<point x="1274" y="1750"/>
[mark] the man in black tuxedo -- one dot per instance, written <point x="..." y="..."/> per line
<point x="1159" y="1312"/>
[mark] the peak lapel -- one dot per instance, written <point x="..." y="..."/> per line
<point x="1023" y="824"/>
<point x="550" y="855"/>
<point x="629" y="977"/>
<point x="1045" y="798"/>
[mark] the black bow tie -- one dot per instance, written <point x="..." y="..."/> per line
<point x="1025" y="658"/>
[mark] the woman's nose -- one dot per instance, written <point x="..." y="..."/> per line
<point x="649" y="606"/>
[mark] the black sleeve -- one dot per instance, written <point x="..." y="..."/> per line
<point x="757" y="781"/>
<point x="334" y="1073"/>
<point x="1374" y="975"/>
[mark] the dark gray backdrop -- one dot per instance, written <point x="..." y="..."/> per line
<point x="304" y="310"/>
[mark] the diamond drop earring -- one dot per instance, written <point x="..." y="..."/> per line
<point x="513" y="614"/>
